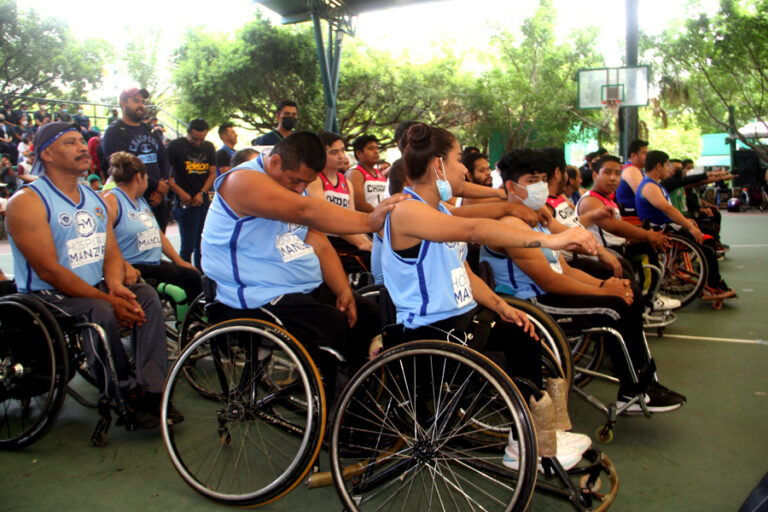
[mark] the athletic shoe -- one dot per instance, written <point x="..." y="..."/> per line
<point x="580" y="442"/>
<point x="664" y="303"/>
<point x="174" y="415"/>
<point x="658" y="388"/>
<point x="568" y="456"/>
<point x="140" y="414"/>
<point x="655" y="401"/>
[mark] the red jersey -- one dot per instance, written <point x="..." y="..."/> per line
<point x="375" y="186"/>
<point x="336" y="194"/>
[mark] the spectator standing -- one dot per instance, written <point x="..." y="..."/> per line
<point x="228" y="136"/>
<point x="193" y="163"/>
<point x="131" y="135"/>
<point x="287" y="115"/>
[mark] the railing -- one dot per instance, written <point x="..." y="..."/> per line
<point x="102" y="111"/>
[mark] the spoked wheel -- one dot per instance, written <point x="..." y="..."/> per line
<point x="588" y="351"/>
<point x="256" y="433"/>
<point x="33" y="371"/>
<point x="424" y="427"/>
<point x="685" y="269"/>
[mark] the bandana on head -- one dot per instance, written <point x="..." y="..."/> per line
<point x="47" y="135"/>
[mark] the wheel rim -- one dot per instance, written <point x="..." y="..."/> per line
<point x="260" y="433"/>
<point x="401" y="443"/>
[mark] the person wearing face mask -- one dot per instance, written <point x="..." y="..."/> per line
<point x="63" y="114"/>
<point x="287" y="115"/>
<point x="543" y="277"/>
<point x="81" y="119"/>
<point x="423" y="259"/>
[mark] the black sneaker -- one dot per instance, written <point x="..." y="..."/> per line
<point x="174" y="415"/>
<point x="655" y="401"/>
<point x="661" y="389"/>
<point x="140" y="413"/>
<point x="156" y="401"/>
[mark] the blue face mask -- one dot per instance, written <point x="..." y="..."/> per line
<point x="443" y="187"/>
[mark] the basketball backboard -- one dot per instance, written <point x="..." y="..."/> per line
<point x="626" y="85"/>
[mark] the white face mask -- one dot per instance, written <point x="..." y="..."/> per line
<point x="537" y="195"/>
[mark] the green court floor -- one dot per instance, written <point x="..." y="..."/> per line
<point x="704" y="457"/>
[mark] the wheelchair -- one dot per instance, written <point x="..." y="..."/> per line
<point x="39" y="355"/>
<point x="424" y="422"/>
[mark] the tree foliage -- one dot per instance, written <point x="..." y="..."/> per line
<point x="246" y="76"/>
<point x="529" y="92"/>
<point x="713" y="62"/>
<point x="39" y="57"/>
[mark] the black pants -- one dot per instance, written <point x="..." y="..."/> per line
<point x="507" y="344"/>
<point x="162" y="213"/>
<point x="603" y="311"/>
<point x="314" y="320"/>
<point x="352" y="258"/>
<point x="166" y="272"/>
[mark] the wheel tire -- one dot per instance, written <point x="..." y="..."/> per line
<point x="33" y="358"/>
<point x="685" y="270"/>
<point x="261" y="434"/>
<point x="395" y="424"/>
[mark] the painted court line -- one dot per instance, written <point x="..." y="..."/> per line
<point x="709" y="338"/>
<point x="739" y="246"/>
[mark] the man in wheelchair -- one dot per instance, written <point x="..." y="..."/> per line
<point x="264" y="246"/>
<point x="543" y="277"/>
<point x="66" y="255"/>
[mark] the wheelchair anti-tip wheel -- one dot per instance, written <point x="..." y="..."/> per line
<point x="254" y="435"/>
<point x="33" y="371"/>
<point x="424" y="427"/>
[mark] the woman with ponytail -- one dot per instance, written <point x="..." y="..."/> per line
<point x="426" y="274"/>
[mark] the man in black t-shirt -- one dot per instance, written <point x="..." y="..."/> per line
<point x="193" y="164"/>
<point x="131" y="135"/>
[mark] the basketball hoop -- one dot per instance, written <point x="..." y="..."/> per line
<point x="611" y="104"/>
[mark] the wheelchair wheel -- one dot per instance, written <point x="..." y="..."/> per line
<point x="552" y="337"/>
<point x="685" y="269"/>
<point x="256" y="437"/>
<point x="33" y="371"/>
<point x="425" y="425"/>
<point x="588" y="351"/>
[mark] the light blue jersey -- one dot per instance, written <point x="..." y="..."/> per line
<point x="430" y="287"/>
<point x="510" y="279"/>
<point x="79" y="233"/>
<point x="255" y="260"/>
<point x="378" y="274"/>
<point x="136" y="230"/>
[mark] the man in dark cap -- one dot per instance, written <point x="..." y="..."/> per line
<point x="132" y="135"/>
<point x="65" y="254"/>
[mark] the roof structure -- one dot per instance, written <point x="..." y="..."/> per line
<point x="297" y="11"/>
<point x="341" y="18"/>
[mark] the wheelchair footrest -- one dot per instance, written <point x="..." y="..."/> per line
<point x="99" y="436"/>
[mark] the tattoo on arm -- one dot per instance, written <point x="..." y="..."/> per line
<point x="533" y="244"/>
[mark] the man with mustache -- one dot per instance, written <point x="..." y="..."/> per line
<point x="130" y="134"/>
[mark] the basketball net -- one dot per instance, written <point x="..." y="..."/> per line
<point x="611" y="105"/>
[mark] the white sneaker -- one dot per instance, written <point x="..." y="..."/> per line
<point x="664" y="303"/>
<point x="580" y="442"/>
<point x="566" y="455"/>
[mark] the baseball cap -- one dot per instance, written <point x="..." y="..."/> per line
<point x="47" y="135"/>
<point x="133" y="91"/>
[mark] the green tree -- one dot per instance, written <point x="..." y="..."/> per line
<point x="529" y="92"/>
<point x="708" y="63"/>
<point x="39" y="57"/>
<point x="246" y="76"/>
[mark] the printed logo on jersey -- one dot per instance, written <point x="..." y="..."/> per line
<point x="149" y="239"/>
<point x="99" y="212"/>
<point x="197" y="165"/>
<point x="132" y="215"/>
<point x="85" y="223"/>
<point x="65" y="220"/>
<point x="146" y="220"/>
